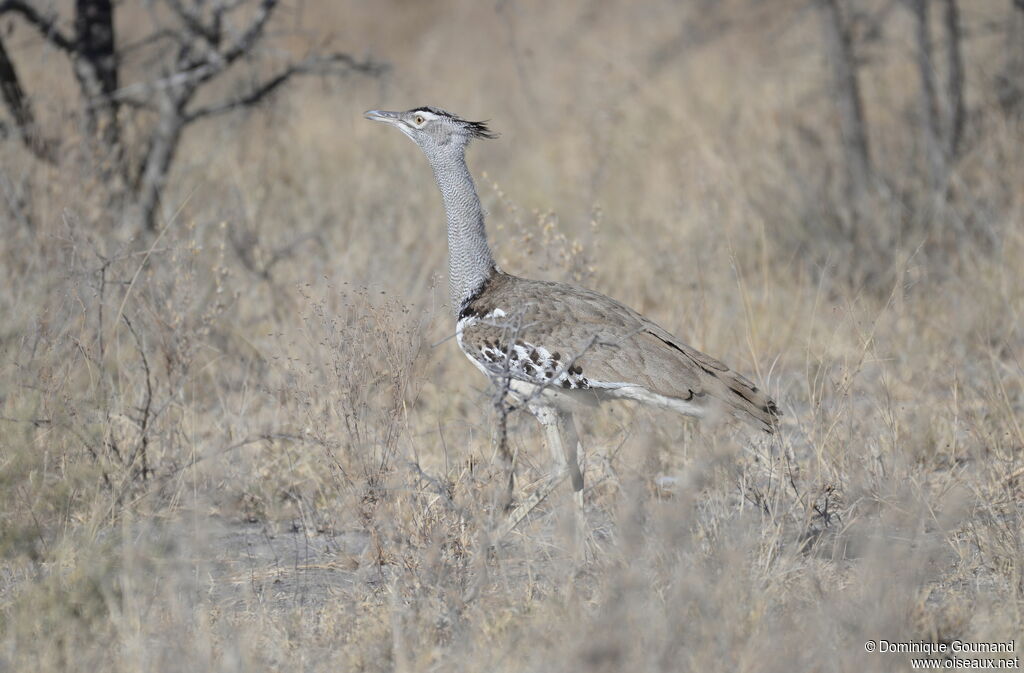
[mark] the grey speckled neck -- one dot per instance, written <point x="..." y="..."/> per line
<point x="470" y="262"/>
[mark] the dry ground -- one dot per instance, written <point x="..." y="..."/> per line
<point x="247" y="443"/>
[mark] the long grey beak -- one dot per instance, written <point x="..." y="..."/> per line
<point x="381" y="116"/>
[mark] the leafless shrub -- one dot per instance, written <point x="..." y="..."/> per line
<point x="190" y="48"/>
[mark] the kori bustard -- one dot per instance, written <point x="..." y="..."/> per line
<point x="557" y="347"/>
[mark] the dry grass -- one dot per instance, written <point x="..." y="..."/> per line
<point x="247" y="443"/>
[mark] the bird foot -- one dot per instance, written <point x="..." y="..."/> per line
<point x="523" y="509"/>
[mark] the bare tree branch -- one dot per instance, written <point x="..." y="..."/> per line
<point x="149" y="89"/>
<point x="215" y="62"/>
<point x="313" y="65"/>
<point x="252" y="34"/>
<point x="156" y="163"/>
<point x="46" y="26"/>
<point x="194" y="23"/>
<point x="161" y="34"/>
<point x="21" y="108"/>
<point x="13" y="94"/>
<point x="194" y="70"/>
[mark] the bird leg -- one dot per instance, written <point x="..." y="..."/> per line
<point x="573" y="449"/>
<point x="563" y="443"/>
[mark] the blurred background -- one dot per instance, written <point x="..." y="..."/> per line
<point x="235" y="433"/>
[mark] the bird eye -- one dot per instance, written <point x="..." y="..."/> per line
<point x="419" y="120"/>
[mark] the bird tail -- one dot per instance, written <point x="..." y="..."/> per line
<point x="747" y="402"/>
<point x="741" y="397"/>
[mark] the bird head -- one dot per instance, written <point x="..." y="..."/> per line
<point x="434" y="130"/>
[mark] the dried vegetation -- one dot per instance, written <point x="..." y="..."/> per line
<point x="245" y="440"/>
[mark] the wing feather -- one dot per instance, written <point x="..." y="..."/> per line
<point x="610" y="343"/>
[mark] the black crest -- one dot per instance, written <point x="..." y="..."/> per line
<point x="476" y="129"/>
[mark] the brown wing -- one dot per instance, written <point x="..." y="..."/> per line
<point x="608" y="345"/>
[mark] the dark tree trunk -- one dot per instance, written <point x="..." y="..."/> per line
<point x="1010" y="91"/>
<point x="96" y="67"/>
<point x="929" y="93"/>
<point x="853" y="129"/>
<point x="956" y="112"/>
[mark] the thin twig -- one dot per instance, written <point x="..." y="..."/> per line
<point x="312" y="65"/>
<point x="47" y="26"/>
